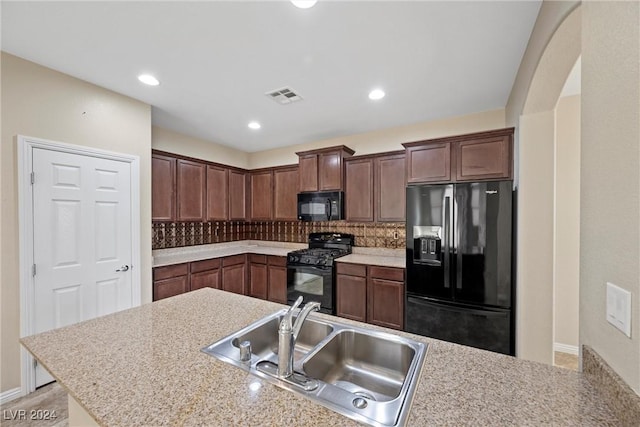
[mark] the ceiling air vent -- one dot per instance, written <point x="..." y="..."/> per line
<point x="283" y="96"/>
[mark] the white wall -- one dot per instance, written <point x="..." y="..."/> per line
<point x="610" y="178"/>
<point x="567" y="222"/>
<point x="42" y="103"/>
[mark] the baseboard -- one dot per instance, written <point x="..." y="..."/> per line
<point x="9" y="395"/>
<point x="565" y="348"/>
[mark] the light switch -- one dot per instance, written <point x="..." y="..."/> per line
<point x="619" y="308"/>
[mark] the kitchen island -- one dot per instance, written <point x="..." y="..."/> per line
<point x="143" y="366"/>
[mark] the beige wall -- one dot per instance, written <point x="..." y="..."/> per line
<point x="610" y="178"/>
<point x="386" y="140"/>
<point x="43" y="103"/>
<point x="178" y="143"/>
<point x="567" y="222"/>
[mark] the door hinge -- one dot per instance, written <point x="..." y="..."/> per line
<point x="33" y="269"/>
<point x="33" y="178"/>
<point x="35" y="363"/>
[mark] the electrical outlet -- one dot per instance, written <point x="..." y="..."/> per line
<point x="395" y="235"/>
<point x="619" y="308"/>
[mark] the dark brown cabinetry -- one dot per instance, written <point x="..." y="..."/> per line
<point x="472" y="157"/>
<point x="285" y="191"/>
<point x="191" y="190"/>
<point x="261" y="195"/>
<point x="359" y="189"/>
<point x="163" y="188"/>
<point x="375" y="187"/>
<point x="258" y="276"/>
<point x="205" y="274"/>
<point x="234" y="274"/>
<point x="351" y="291"/>
<point x="277" y="282"/>
<point x="237" y="195"/>
<point x="217" y="193"/>
<point x="370" y="294"/>
<point x="268" y="277"/>
<point x="323" y="170"/>
<point x="385" y="297"/>
<point x="170" y="280"/>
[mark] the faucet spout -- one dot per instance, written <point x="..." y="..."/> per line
<point x="287" y="335"/>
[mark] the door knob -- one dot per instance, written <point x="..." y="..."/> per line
<point x="123" y="268"/>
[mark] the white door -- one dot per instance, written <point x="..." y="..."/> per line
<point x="82" y="239"/>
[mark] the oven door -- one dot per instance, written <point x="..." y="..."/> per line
<point x="312" y="283"/>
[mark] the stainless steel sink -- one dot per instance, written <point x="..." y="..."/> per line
<point x="364" y="364"/>
<point x="366" y="375"/>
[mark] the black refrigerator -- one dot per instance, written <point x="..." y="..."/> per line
<point x="459" y="264"/>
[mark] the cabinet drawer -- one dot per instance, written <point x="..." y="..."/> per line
<point x="277" y="260"/>
<point x="233" y="260"/>
<point x="258" y="259"/>
<point x="160" y="273"/>
<point x="204" y="265"/>
<point x="351" y="269"/>
<point x="388" y="273"/>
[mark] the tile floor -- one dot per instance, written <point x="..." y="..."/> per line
<point x="47" y="400"/>
<point x="565" y="360"/>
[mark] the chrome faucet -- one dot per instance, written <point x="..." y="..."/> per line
<point x="288" y="334"/>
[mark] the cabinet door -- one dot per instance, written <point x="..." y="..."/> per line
<point x="217" y="193"/>
<point x="234" y="274"/>
<point x="487" y="158"/>
<point x="277" y="279"/>
<point x="390" y="188"/>
<point x="261" y="196"/>
<point x="205" y="279"/>
<point x="170" y="287"/>
<point x="237" y="195"/>
<point x="351" y="297"/>
<point x="429" y="162"/>
<point x="308" y="173"/>
<point x="285" y="193"/>
<point x="258" y="280"/>
<point x="163" y="188"/>
<point x="385" y="303"/>
<point x="359" y="189"/>
<point x="330" y="171"/>
<point x="191" y="179"/>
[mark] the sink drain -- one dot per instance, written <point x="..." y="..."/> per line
<point x="359" y="403"/>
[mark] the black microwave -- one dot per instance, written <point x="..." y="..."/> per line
<point x="321" y="206"/>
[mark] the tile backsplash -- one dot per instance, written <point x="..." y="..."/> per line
<point x="367" y="234"/>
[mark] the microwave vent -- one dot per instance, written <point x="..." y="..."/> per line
<point x="284" y="95"/>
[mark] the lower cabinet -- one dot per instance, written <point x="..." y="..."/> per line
<point x="370" y="294"/>
<point x="234" y="274"/>
<point x="170" y="281"/>
<point x="268" y="277"/>
<point x="205" y="274"/>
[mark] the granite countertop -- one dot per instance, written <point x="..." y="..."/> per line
<point x="143" y="366"/>
<point x="360" y="255"/>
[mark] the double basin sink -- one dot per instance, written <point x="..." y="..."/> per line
<point x="366" y="375"/>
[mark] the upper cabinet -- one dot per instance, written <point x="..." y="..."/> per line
<point x="261" y="195"/>
<point x="375" y="187"/>
<point x="237" y="195"/>
<point x="217" y="193"/>
<point x="472" y="157"/>
<point x="163" y="188"/>
<point x="322" y="170"/>
<point x="285" y="193"/>
<point x="191" y="181"/>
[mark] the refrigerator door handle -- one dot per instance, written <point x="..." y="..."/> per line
<point x="457" y="248"/>
<point x="447" y="239"/>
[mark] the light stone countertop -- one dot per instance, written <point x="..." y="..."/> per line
<point x="370" y="256"/>
<point x="144" y="366"/>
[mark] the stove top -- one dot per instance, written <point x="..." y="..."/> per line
<point x="323" y="249"/>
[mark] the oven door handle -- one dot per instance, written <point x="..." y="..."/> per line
<point x="303" y="267"/>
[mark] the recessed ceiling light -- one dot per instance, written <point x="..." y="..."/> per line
<point x="254" y="125"/>
<point x="376" y="94"/>
<point x="304" y="4"/>
<point x="148" y="79"/>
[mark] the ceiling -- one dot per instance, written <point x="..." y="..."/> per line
<point x="216" y="60"/>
